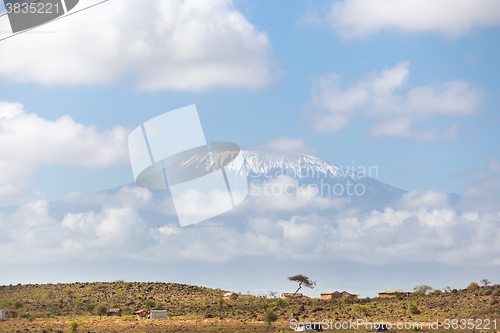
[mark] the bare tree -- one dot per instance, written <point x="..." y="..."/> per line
<point x="302" y="280"/>
<point x="485" y="282"/>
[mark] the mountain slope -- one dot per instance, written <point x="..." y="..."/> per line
<point x="324" y="178"/>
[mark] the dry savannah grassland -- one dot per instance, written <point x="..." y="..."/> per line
<point x="74" y="308"/>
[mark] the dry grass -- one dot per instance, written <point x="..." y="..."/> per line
<point x="196" y="309"/>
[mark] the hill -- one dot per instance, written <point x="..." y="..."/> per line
<point x="55" y="305"/>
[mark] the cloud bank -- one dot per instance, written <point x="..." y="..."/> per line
<point x="332" y="106"/>
<point x="28" y="142"/>
<point x="422" y="226"/>
<point x="451" y="18"/>
<point x="161" y="44"/>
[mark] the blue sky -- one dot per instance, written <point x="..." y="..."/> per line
<point x="299" y="52"/>
<point x="416" y="95"/>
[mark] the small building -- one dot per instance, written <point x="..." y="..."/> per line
<point x="2" y="314"/>
<point x="392" y="293"/>
<point x="337" y="294"/>
<point x="330" y="294"/>
<point x="115" y="312"/>
<point x="8" y="313"/>
<point x="157" y="314"/>
<point x="348" y="295"/>
<point x="231" y="296"/>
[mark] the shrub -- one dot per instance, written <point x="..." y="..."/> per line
<point x="150" y="304"/>
<point x="364" y="309"/>
<point x="49" y="294"/>
<point x="280" y="302"/>
<point x="17" y="305"/>
<point x="89" y="307"/>
<point x="220" y="301"/>
<point x="413" y="309"/>
<point x="270" y="317"/>
<point x="24" y="315"/>
<point x="6" y="304"/>
<point x="473" y="286"/>
<point x="69" y="292"/>
<point x="73" y="326"/>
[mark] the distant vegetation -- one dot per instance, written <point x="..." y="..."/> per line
<point x="182" y="302"/>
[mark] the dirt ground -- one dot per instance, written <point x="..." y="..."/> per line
<point x="133" y="325"/>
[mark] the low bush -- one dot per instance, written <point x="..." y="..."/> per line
<point x="413" y="309"/>
<point x="473" y="286"/>
<point x="89" y="307"/>
<point x="73" y="326"/>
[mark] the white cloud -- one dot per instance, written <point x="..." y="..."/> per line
<point x="285" y="194"/>
<point x="452" y="18"/>
<point x="28" y="142"/>
<point x="286" y="146"/>
<point x="163" y="44"/>
<point x="422" y="226"/>
<point x="34" y="235"/>
<point x="332" y="107"/>
<point x="415" y="199"/>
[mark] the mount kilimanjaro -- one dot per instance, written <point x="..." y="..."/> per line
<point x="358" y="190"/>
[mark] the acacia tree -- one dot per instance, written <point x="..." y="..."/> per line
<point x="422" y="289"/>
<point x="270" y="317"/>
<point x="302" y="280"/>
<point x="101" y="310"/>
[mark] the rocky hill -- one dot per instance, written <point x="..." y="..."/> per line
<point x="182" y="300"/>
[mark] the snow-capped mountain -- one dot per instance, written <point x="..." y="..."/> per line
<point x="329" y="180"/>
<point x="260" y="163"/>
<point x="359" y="191"/>
<point x="300" y="166"/>
<point x="363" y="192"/>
